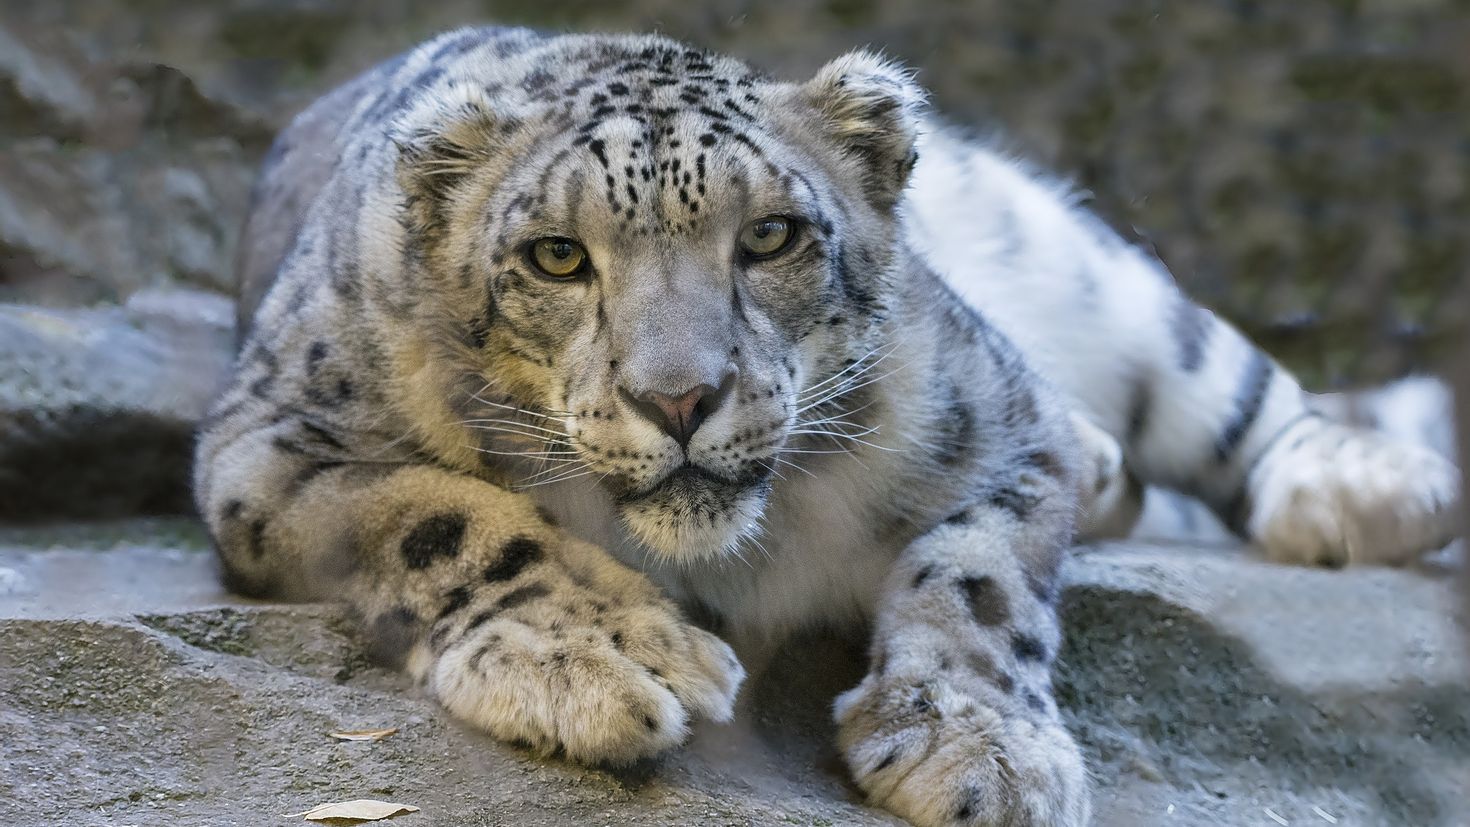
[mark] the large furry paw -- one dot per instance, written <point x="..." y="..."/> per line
<point x="596" y="672"/>
<point x="1329" y="494"/>
<point x="937" y="753"/>
<point x="1110" y="497"/>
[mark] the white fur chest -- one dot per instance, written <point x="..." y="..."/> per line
<point x="819" y="560"/>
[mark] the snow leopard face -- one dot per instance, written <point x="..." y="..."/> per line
<point x="676" y="253"/>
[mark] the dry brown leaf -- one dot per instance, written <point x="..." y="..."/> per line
<point x="364" y="734"/>
<point x="363" y="809"/>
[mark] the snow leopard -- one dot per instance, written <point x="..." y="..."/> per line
<point x="567" y="361"/>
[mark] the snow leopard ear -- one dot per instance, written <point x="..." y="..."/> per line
<point x="442" y="140"/>
<point x="871" y="107"/>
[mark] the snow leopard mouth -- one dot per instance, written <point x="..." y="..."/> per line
<point x="695" y="484"/>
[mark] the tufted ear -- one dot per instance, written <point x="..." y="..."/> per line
<point x="870" y="107"/>
<point x="442" y="140"/>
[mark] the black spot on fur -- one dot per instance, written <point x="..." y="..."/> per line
<point x="314" y="356"/>
<point x="987" y="600"/>
<point x="320" y="436"/>
<point x="650" y="723"/>
<point x="1004" y="682"/>
<point x="981" y="665"/>
<point x="1034" y="700"/>
<point x="887" y="761"/>
<point x="972" y="802"/>
<point x="1017" y="502"/>
<point x="959" y="517"/>
<point x="517" y="554"/>
<point x="1043" y="586"/>
<point x="262" y="386"/>
<point x="310" y="472"/>
<point x="524" y="594"/>
<point x="1250" y="397"/>
<point x="922" y="575"/>
<point x="1046" y="462"/>
<point x="478" y="656"/>
<point x="955" y="432"/>
<point x="480" y="619"/>
<point x="456" y="599"/>
<point x="856" y="278"/>
<point x="1139" y="406"/>
<point x="1027" y="647"/>
<point x="438" y="536"/>
<point x="599" y="148"/>
<point x="329" y="391"/>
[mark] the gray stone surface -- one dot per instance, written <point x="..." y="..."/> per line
<point x="1206" y="686"/>
<point x="98" y="406"/>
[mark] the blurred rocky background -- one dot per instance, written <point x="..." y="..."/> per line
<point x="1303" y="167"/>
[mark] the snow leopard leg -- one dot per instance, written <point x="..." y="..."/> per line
<point x="955" y="723"/>
<point x="1194" y="406"/>
<point x="1208" y="413"/>
<point x="514" y="626"/>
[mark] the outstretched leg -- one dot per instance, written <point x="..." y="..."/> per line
<point x="955" y="723"/>
<point x="1193" y="404"/>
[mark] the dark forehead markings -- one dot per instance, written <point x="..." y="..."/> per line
<point x="543" y="181"/>
<point x="656" y="75"/>
<point x="519" y="203"/>
<point x="734" y="107"/>
<point x="536" y="80"/>
<point x="577" y="86"/>
<point x="599" y="148"/>
<point x="742" y="138"/>
<point x="573" y="206"/>
<point x="806" y="183"/>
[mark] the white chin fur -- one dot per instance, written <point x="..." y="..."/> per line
<point x="674" y="531"/>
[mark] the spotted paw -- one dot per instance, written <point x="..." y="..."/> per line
<point x="1329" y="494"/>
<point x="938" y="752"/>
<point x="594" y="665"/>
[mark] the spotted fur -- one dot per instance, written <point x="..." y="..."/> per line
<point x="423" y="425"/>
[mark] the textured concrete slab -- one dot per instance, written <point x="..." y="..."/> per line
<point x="1206" y="686"/>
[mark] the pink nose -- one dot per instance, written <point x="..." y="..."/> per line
<point x="679" y="416"/>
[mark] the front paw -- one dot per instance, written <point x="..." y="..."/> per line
<point x="584" y="673"/>
<point x="938" y="752"/>
<point x="1330" y="495"/>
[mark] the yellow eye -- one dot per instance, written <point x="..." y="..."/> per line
<point x="558" y="257"/>
<point x="765" y="237"/>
